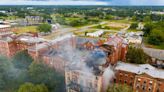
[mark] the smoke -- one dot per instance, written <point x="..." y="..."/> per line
<point x="107" y="76"/>
<point x="73" y="56"/>
<point x="88" y="62"/>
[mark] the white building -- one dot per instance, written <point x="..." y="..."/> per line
<point x="96" y="34"/>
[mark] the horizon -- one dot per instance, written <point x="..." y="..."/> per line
<point x="85" y="2"/>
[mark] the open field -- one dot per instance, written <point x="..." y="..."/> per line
<point x="132" y="30"/>
<point x="161" y="46"/>
<point x="117" y="26"/>
<point x="26" y="29"/>
<point x="146" y="44"/>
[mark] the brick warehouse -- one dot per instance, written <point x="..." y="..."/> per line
<point x="51" y="54"/>
<point x="12" y="44"/>
<point x="143" y="78"/>
<point x="49" y="50"/>
<point x="5" y="30"/>
<point x="119" y="48"/>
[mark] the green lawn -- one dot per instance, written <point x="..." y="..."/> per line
<point x="161" y="46"/>
<point x="9" y="18"/>
<point x="26" y="29"/>
<point x="133" y="30"/>
<point x="122" y="21"/>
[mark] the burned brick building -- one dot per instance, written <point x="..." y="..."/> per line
<point x="86" y="74"/>
<point x="83" y="61"/>
<point x="116" y="49"/>
<point x="7" y="47"/>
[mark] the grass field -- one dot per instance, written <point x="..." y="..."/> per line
<point x="133" y="30"/>
<point x="112" y="25"/>
<point x="26" y="29"/>
<point x="161" y="46"/>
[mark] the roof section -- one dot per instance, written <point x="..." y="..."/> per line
<point x="115" y="40"/>
<point x="140" y="69"/>
<point x="4" y="26"/>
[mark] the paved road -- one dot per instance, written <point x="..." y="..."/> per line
<point x="69" y="30"/>
<point x="125" y="29"/>
<point x="155" y="53"/>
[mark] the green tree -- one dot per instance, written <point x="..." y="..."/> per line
<point x="78" y="22"/>
<point x="119" y="88"/>
<point x="60" y="20"/>
<point x="22" y="60"/>
<point x="137" y="56"/>
<point x="46" y="17"/>
<point x="147" y="19"/>
<point x="156" y="37"/>
<point x="44" y="28"/>
<point x="41" y="73"/>
<point x="109" y="17"/>
<point x="148" y="28"/>
<point x="41" y="88"/>
<point x="7" y="74"/>
<point x="29" y="87"/>
<point x="134" y="18"/>
<point x="133" y="25"/>
<point x="5" y="65"/>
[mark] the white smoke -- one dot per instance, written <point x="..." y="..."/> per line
<point x="107" y="76"/>
<point x="77" y="58"/>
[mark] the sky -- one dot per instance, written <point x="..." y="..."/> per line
<point x="82" y="2"/>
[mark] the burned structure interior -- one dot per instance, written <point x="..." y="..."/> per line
<point x="85" y="75"/>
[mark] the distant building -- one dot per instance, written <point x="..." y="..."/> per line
<point x="33" y="20"/>
<point x="157" y="12"/>
<point x="140" y="26"/>
<point x="95" y="34"/>
<point x="3" y="11"/>
<point x="30" y="20"/>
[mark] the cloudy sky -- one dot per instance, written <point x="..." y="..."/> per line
<point x="82" y="2"/>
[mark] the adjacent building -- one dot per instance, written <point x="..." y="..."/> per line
<point x="5" y="30"/>
<point x="12" y="44"/>
<point x="7" y="47"/>
<point x="143" y="78"/>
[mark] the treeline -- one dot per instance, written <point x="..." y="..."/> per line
<point x="154" y="31"/>
<point x="76" y="21"/>
<point x="22" y="74"/>
<point x="137" y="56"/>
<point x="85" y="13"/>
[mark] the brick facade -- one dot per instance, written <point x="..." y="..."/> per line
<point x="142" y="78"/>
